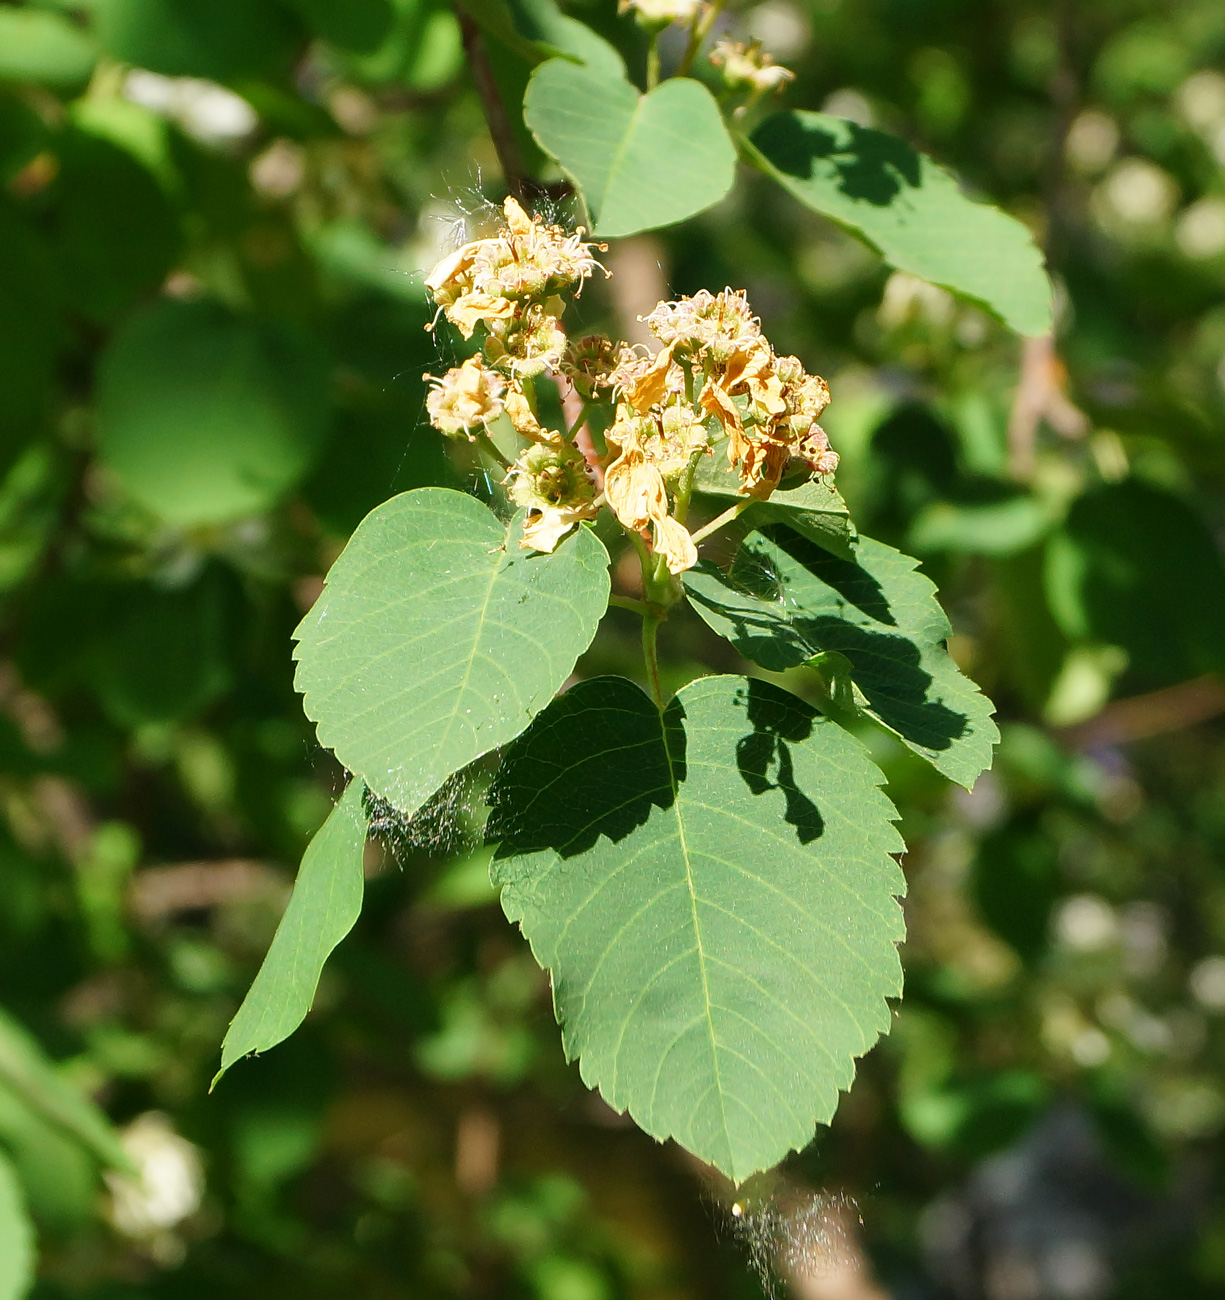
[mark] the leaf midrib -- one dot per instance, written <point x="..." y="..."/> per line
<point x="697" y="939"/>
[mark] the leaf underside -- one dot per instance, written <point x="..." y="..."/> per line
<point x="713" y="893"/>
<point x="787" y="600"/>
<point x="438" y="638"/>
<point x="911" y="210"/>
<point x="641" y="161"/>
<point x="324" y="906"/>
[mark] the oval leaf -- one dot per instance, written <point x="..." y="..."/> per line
<point x="17" y="1258"/>
<point x="206" y="417"/>
<point x="641" y="161"/>
<point x="713" y="893"/>
<point x="323" y="908"/>
<point x="911" y="210"/>
<point x="787" y="601"/>
<point x="438" y="638"/>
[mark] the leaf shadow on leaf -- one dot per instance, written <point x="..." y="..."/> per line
<point x="591" y="765"/>
<point x="872" y="167"/>
<point x="766" y="745"/>
<point x="595" y="765"/>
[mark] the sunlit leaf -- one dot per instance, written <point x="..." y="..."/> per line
<point x="786" y="601"/>
<point x="911" y="210"/>
<point x="438" y="638"/>
<point x="713" y="895"/>
<point x="325" y="904"/>
<point x="17" y="1256"/>
<point x="641" y="161"/>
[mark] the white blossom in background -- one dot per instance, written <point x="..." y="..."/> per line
<point x="850" y="104"/>
<point x="1137" y="193"/>
<point x="1201" y="101"/>
<point x="1200" y="231"/>
<point x="1086" y="923"/>
<point x="205" y="110"/>
<point x="1207" y="983"/>
<point x="1093" y="140"/>
<point x="167" y="1190"/>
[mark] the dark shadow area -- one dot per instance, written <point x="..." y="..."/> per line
<point x="852" y="582"/>
<point x="871" y="167"/>
<point x="593" y="763"/>
<point x="764" y="761"/>
<point x="888" y="670"/>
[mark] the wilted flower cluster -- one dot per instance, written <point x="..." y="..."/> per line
<point x="714" y="387"/>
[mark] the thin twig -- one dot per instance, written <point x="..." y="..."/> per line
<point x="500" y="129"/>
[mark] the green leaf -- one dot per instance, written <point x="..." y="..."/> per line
<point x="786" y="601"/>
<point x="221" y="39"/>
<point x="30" y="330"/>
<point x="323" y="908"/>
<point x="911" y="210"/>
<point x="641" y="161"/>
<point x="155" y="654"/>
<point x="205" y="416"/>
<point x="438" y="638"/>
<point x="713" y="894"/>
<point x="109" y="261"/>
<point x="813" y="506"/>
<point x="44" y="47"/>
<point x="494" y="18"/>
<point x="1134" y="567"/>
<point x="31" y="1077"/>
<point x="17" y="1253"/>
<point x="357" y="25"/>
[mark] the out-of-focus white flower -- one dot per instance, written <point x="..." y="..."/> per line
<point x="1201" y="100"/>
<point x="907" y="298"/>
<point x="1207" y="983"/>
<point x="850" y="104"/>
<point x="168" y="1188"/>
<point x="1086" y="923"/>
<point x="1093" y="139"/>
<point x="1200" y="231"/>
<point x="781" y="27"/>
<point x="202" y="108"/>
<point x="661" y="12"/>
<point x="1138" y="193"/>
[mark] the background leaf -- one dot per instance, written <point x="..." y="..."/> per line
<point x="437" y="638"/>
<point x="641" y="161"/>
<point x="1134" y="567"/>
<point x="17" y="1255"/>
<point x="27" y="1073"/>
<point x="323" y="908"/>
<point x="713" y="894"/>
<point x="44" y="47"/>
<point x="787" y="600"/>
<point x="221" y="39"/>
<point x="911" y="210"/>
<point x="205" y="416"/>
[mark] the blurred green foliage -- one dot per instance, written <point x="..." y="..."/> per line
<point x="214" y="219"/>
